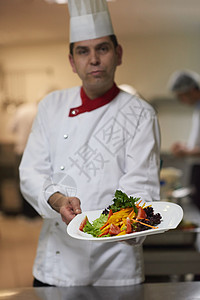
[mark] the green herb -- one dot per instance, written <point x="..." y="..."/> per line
<point x="121" y="200"/>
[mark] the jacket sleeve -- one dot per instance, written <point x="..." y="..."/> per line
<point x="142" y="164"/>
<point x="35" y="168"/>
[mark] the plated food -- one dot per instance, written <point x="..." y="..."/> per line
<point x="166" y="215"/>
<point x="126" y="215"/>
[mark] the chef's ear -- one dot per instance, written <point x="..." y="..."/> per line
<point x="71" y="60"/>
<point x="119" y="52"/>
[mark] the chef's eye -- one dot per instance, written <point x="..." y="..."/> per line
<point x="82" y="51"/>
<point x="103" y="49"/>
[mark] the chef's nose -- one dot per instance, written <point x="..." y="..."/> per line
<point x="94" y="58"/>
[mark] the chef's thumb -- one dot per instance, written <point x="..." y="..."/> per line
<point x="75" y="203"/>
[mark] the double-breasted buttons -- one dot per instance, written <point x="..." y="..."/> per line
<point x="65" y="136"/>
<point x="75" y="112"/>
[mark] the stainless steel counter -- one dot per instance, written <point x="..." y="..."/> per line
<point x="155" y="291"/>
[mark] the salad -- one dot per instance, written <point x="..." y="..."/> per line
<point x="126" y="215"/>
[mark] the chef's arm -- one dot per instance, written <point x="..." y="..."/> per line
<point x="68" y="207"/>
<point x="194" y="152"/>
<point x="181" y="150"/>
<point x="141" y="177"/>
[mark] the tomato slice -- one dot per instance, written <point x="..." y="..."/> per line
<point x="129" y="228"/>
<point x="110" y="214"/>
<point x="114" y="229"/>
<point x="141" y="213"/>
<point x="83" y="223"/>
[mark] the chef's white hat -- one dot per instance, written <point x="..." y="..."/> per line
<point x="89" y="19"/>
<point x="183" y="81"/>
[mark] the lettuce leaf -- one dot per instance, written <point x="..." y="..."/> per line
<point x="94" y="227"/>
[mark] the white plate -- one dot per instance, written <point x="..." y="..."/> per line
<point x="171" y="213"/>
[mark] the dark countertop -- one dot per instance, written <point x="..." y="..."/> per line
<point x="148" y="291"/>
<point x="175" y="252"/>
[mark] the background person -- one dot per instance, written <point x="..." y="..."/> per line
<point x="185" y="85"/>
<point x="20" y="127"/>
<point x="86" y="142"/>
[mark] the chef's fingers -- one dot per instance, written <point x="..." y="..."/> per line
<point x="70" y="209"/>
<point x="58" y="200"/>
<point x="75" y="204"/>
<point x="67" y="214"/>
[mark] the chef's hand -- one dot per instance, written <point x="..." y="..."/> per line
<point x="135" y="241"/>
<point x="179" y="150"/>
<point x="68" y="207"/>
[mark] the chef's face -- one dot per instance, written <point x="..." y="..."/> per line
<point x="95" y="62"/>
<point x="190" y="97"/>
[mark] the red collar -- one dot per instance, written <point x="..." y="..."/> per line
<point x="89" y="105"/>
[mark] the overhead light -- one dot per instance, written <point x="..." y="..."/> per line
<point x="63" y="1"/>
<point x="57" y="1"/>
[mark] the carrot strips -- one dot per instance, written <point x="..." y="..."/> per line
<point x="119" y="219"/>
<point x="134" y="220"/>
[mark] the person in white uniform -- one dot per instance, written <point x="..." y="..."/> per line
<point x="86" y="143"/>
<point x="20" y="127"/>
<point x="185" y="85"/>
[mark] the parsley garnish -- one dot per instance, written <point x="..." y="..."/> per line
<point x="121" y="200"/>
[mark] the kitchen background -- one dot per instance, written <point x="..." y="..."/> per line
<point x="158" y="37"/>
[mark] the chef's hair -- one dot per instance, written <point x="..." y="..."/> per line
<point x="112" y="37"/>
<point x="184" y="81"/>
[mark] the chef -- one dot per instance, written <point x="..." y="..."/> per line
<point x="185" y="85"/>
<point x="87" y="142"/>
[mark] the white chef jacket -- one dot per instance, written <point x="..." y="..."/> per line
<point x="194" y="137"/>
<point x="89" y="156"/>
